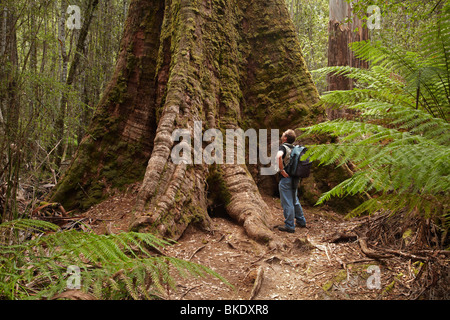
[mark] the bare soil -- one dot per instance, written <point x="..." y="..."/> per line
<point x="310" y="267"/>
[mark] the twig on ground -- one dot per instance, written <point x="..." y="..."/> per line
<point x="193" y="254"/>
<point x="257" y="284"/>
<point x="189" y="290"/>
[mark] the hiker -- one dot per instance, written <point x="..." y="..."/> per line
<point x="292" y="209"/>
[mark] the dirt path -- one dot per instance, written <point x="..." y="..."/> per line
<point x="308" y="268"/>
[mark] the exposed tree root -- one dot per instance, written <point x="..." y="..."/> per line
<point x="223" y="64"/>
<point x="246" y="205"/>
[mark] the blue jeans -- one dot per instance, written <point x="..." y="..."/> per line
<point x="292" y="208"/>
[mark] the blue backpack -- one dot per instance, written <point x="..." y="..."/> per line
<point x="296" y="167"/>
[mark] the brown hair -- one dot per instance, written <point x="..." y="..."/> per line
<point x="290" y="136"/>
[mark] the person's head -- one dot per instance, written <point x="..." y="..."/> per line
<point x="288" y="136"/>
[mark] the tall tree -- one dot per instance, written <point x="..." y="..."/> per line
<point x="310" y="18"/>
<point x="68" y="77"/>
<point x="9" y="76"/>
<point x="227" y="64"/>
<point x="344" y="28"/>
<point x="9" y="102"/>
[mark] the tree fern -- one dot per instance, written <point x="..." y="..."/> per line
<point x="35" y="256"/>
<point x="399" y="140"/>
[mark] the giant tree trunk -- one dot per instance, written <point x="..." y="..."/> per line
<point x="227" y="63"/>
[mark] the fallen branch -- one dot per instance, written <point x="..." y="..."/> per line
<point x="359" y="261"/>
<point x="434" y="253"/>
<point x="343" y="237"/>
<point x="193" y="254"/>
<point x="189" y="290"/>
<point x="369" y="252"/>
<point x="258" y="283"/>
<point x="57" y="207"/>
<point x="404" y="254"/>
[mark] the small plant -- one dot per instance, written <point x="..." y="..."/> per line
<point x="35" y="257"/>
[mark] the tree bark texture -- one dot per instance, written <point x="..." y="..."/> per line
<point x="9" y="112"/>
<point x="229" y="64"/>
<point x="9" y="60"/>
<point x="68" y="75"/>
<point x="341" y="34"/>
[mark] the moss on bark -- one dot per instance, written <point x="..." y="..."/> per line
<point x="119" y="141"/>
<point x="228" y="63"/>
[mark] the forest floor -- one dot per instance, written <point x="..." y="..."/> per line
<point x="310" y="267"/>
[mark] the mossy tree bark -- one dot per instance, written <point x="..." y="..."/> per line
<point x="229" y="64"/>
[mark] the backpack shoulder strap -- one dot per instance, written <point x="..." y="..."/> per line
<point x="287" y="157"/>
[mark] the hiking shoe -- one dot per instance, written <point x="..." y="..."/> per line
<point x="300" y="224"/>
<point x="283" y="228"/>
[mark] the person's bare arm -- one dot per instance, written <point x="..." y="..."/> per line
<point x="280" y="164"/>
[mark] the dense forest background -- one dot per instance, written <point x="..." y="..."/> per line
<point x="53" y="73"/>
<point x="43" y="115"/>
<point x="52" y="76"/>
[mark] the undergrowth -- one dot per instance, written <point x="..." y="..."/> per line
<point x="398" y="143"/>
<point x="38" y="260"/>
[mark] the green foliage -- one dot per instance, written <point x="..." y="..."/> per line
<point x="310" y="18"/>
<point x="400" y="137"/>
<point x="35" y="257"/>
<point x="401" y="21"/>
<point x="32" y="84"/>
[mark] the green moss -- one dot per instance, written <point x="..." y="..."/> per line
<point x="97" y="167"/>
<point x="196" y="214"/>
<point x="339" y="276"/>
<point x="388" y="288"/>
<point x="95" y="195"/>
<point x="118" y="93"/>
<point x="218" y="192"/>
<point x="131" y="62"/>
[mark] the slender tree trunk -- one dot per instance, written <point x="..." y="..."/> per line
<point x="341" y="34"/>
<point x="63" y="61"/>
<point x="11" y="59"/>
<point x="33" y="60"/>
<point x="227" y="64"/>
<point x="4" y="19"/>
<point x="69" y="77"/>
<point x="10" y="102"/>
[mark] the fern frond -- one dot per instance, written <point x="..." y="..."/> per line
<point x="112" y="266"/>
<point x="376" y="78"/>
<point x="10" y="230"/>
